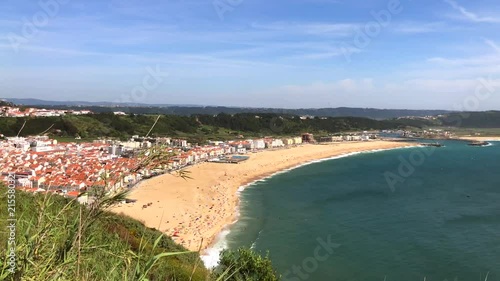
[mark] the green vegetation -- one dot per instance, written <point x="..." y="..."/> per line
<point x="58" y="239"/>
<point x="417" y="122"/>
<point x="5" y="103"/>
<point x="97" y="125"/>
<point x="243" y="264"/>
<point x="137" y="108"/>
<point x="488" y="119"/>
<point x="198" y="128"/>
<point x="467" y="120"/>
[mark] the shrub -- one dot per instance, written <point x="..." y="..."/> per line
<point x="244" y="264"/>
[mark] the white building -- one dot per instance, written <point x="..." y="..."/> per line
<point x="259" y="144"/>
<point x="249" y="144"/>
<point x="275" y="143"/>
<point x="179" y="143"/>
<point x="115" y="150"/>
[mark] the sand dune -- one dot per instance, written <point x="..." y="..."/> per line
<point x="200" y="207"/>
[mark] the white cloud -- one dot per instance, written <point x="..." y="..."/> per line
<point x="325" y="29"/>
<point x="471" y="16"/>
<point x="486" y="60"/>
<point x="492" y="44"/>
<point x="419" y="27"/>
<point x="483" y="65"/>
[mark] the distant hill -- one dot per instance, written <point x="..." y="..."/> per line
<point x="478" y="120"/>
<point x="487" y="119"/>
<point x="39" y="102"/>
<point x="187" y="110"/>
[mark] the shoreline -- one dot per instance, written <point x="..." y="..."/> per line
<point x="479" y="138"/>
<point x="197" y="211"/>
<point x="210" y="255"/>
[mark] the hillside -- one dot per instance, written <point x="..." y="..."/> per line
<point x="58" y="239"/>
<point x="5" y="103"/>
<point x="198" y="127"/>
<point x="187" y="110"/>
<point x="44" y="226"/>
<point x="484" y="120"/>
<point x="488" y="119"/>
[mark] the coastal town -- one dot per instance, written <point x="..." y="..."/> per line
<point x="42" y="164"/>
<point x="233" y="140"/>
<point x="17" y="111"/>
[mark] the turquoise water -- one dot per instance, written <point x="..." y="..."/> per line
<point x="441" y="222"/>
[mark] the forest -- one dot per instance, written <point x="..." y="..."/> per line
<point x="199" y="127"/>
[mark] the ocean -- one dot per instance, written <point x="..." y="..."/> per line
<point x="397" y="215"/>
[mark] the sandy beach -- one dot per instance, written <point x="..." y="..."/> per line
<point x="476" y="138"/>
<point x="199" y="208"/>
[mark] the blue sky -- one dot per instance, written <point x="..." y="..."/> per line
<point x="295" y="53"/>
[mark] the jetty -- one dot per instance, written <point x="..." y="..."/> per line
<point x="436" y="144"/>
<point x="479" y="143"/>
